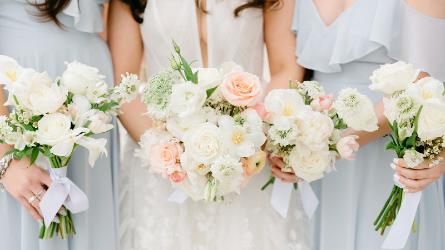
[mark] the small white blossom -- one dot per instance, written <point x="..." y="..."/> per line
<point x="406" y="106"/>
<point x="228" y="171"/>
<point x="413" y="158"/>
<point x="5" y="129"/>
<point x="97" y="92"/>
<point x="157" y="94"/>
<point x="129" y="87"/>
<point x="283" y="137"/>
<point x="313" y="89"/>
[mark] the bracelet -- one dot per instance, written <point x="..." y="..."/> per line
<point x="4" y="163"/>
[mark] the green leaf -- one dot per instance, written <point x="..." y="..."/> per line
<point x="194" y="78"/>
<point x="389" y="145"/>
<point x="193" y="62"/>
<point x="69" y="97"/>
<point x="25" y="152"/>
<point x="34" y="154"/>
<point x="107" y="106"/>
<point x="416" y="120"/>
<point x="36" y="118"/>
<point x="28" y="126"/>
<point x="210" y="91"/>
<point x="335" y="150"/>
<point x="14" y="150"/>
<point x="47" y="153"/>
<point x="58" y="82"/>
<point x="389" y="123"/>
<point x="87" y="124"/>
<point x="15" y="99"/>
<point x="396" y="131"/>
<point x="411" y="140"/>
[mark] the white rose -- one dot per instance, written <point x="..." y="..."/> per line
<point x="431" y="122"/>
<point x="79" y="76"/>
<point x="315" y="134"/>
<point x="187" y="98"/>
<point x="390" y="78"/>
<point x="53" y="128"/>
<point x="43" y="97"/>
<point x="208" y="77"/>
<point x="179" y="125"/>
<point x="308" y="164"/>
<point x="202" y="143"/>
<point x="97" y="92"/>
<point x="79" y="106"/>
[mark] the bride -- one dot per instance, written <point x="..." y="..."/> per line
<point x="212" y="31"/>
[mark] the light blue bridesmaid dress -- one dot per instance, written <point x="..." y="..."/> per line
<point x="344" y="54"/>
<point x="45" y="47"/>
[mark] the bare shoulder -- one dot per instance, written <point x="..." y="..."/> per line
<point x="431" y="8"/>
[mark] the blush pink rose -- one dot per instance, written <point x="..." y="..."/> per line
<point x="164" y="155"/>
<point x="346" y="147"/>
<point x="176" y="173"/>
<point x="246" y="175"/>
<point x="261" y="110"/>
<point x="322" y="103"/>
<point x="241" y="88"/>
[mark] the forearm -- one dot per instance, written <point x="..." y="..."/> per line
<point x="280" y="80"/>
<point x="133" y="119"/>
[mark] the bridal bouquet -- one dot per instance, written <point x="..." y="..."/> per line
<point x="416" y="114"/>
<point x="50" y="119"/>
<point x="206" y="136"/>
<point x="304" y="126"/>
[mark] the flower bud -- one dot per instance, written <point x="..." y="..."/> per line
<point x="214" y="189"/>
<point x="175" y="64"/>
<point x="176" y="47"/>
<point x="207" y="191"/>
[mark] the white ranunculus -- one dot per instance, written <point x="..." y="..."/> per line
<point x="427" y="91"/>
<point x="53" y="128"/>
<point x="393" y="77"/>
<point x="79" y="106"/>
<point x="187" y="98"/>
<point x="308" y="164"/>
<point x="79" y="76"/>
<point x="208" y="77"/>
<point x="203" y="143"/>
<point x="287" y="105"/>
<point x="431" y="122"/>
<point x="315" y="134"/>
<point x="235" y="137"/>
<point x="97" y="92"/>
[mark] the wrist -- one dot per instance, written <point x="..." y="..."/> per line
<point x="4" y="164"/>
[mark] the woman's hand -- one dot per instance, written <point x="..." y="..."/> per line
<point x="277" y="165"/>
<point x="418" y="178"/>
<point x="23" y="182"/>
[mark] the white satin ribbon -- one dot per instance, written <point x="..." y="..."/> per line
<point x="308" y="198"/>
<point x="398" y="235"/>
<point x="177" y="196"/>
<point x="57" y="193"/>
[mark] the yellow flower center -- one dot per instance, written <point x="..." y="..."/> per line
<point x="287" y="110"/>
<point x="237" y="138"/>
<point x="12" y="75"/>
<point x="95" y="150"/>
<point x="70" y="140"/>
<point x="426" y="95"/>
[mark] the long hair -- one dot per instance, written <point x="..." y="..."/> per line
<point x="48" y="10"/>
<point x="138" y="6"/>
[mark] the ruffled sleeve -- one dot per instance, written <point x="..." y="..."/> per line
<point x="294" y="27"/>
<point x="410" y="36"/>
<point x="87" y="15"/>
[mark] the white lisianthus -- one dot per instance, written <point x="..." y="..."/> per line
<point x="412" y="158"/>
<point x="390" y="78"/>
<point x="79" y="76"/>
<point x="202" y="142"/>
<point x="308" y="164"/>
<point x="79" y="106"/>
<point x="43" y="96"/>
<point x="315" y="134"/>
<point x="96" y="147"/>
<point x="187" y="98"/>
<point x="129" y="87"/>
<point x="228" y="171"/>
<point x="97" y="92"/>
<point x="406" y="106"/>
<point x="313" y="89"/>
<point x="287" y="106"/>
<point x="356" y="110"/>
<point x="53" y="128"/>
<point x="427" y="91"/>
<point x="208" y="77"/>
<point x="431" y="123"/>
<point x="283" y="137"/>
<point x="235" y="137"/>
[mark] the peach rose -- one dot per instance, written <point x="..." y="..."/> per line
<point x="241" y="88"/>
<point x="176" y="173"/>
<point x="346" y="147"/>
<point x="261" y="110"/>
<point x="246" y="176"/>
<point x="164" y="155"/>
<point x="322" y="103"/>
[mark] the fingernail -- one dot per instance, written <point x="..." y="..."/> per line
<point x="397" y="177"/>
<point x="393" y="166"/>
<point x="56" y="219"/>
<point x="396" y="160"/>
<point x="40" y="223"/>
<point x="405" y="190"/>
<point x="273" y="169"/>
<point x="62" y="212"/>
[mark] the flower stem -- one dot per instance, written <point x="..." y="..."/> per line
<point x="271" y="181"/>
<point x="386" y="204"/>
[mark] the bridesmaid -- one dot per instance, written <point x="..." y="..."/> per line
<point x="43" y="36"/>
<point x="343" y="42"/>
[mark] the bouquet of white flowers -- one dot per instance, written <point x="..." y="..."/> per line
<point x="304" y="126"/>
<point x="416" y="114"/>
<point x="51" y="119"/>
<point x="206" y="136"/>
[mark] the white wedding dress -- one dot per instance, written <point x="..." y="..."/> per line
<point x="148" y="220"/>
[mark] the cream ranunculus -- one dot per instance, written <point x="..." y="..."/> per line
<point x="53" y="128"/>
<point x="390" y="78"/>
<point x="431" y="122"/>
<point x="43" y="96"/>
<point x="187" y="98"/>
<point x="79" y="76"/>
<point x="308" y="164"/>
<point x="203" y="143"/>
<point x="315" y="134"/>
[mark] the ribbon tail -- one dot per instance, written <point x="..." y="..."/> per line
<point x="308" y="198"/>
<point x="177" y="196"/>
<point x="401" y="228"/>
<point x="52" y="201"/>
<point x="281" y="194"/>
<point x="78" y="201"/>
